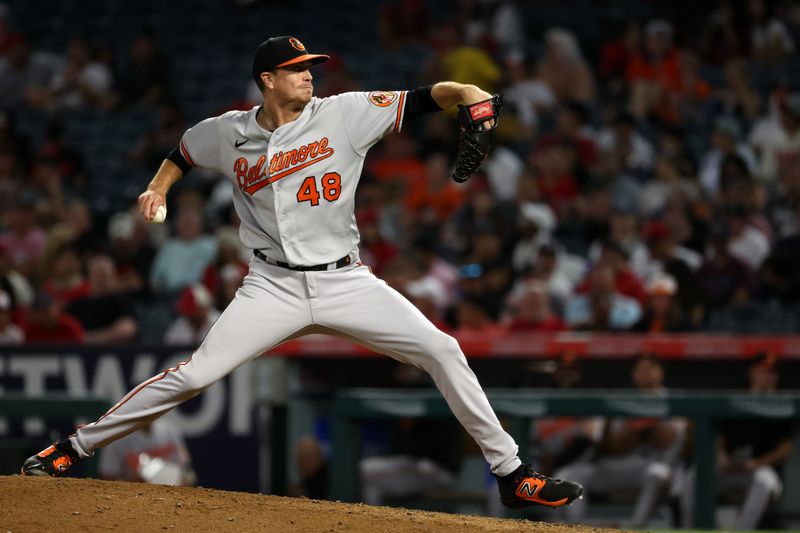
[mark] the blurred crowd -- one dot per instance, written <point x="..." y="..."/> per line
<point x="648" y="184"/>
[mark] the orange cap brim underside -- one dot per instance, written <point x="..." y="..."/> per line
<point x="314" y="58"/>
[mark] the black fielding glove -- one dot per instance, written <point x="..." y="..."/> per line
<point x="476" y="139"/>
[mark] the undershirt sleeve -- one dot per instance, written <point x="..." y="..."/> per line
<point x="176" y="157"/>
<point x="419" y="101"/>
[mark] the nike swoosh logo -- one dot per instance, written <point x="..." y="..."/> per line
<point x="237" y="144"/>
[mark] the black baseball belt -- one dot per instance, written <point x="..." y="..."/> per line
<point x="344" y="261"/>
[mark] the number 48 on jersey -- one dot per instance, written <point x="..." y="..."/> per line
<point x="331" y="184"/>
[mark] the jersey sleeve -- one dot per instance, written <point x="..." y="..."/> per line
<point x="368" y="116"/>
<point x="200" y="145"/>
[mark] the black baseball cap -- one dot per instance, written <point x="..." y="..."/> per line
<point x="281" y="52"/>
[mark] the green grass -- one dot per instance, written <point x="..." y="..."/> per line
<point x="715" y="530"/>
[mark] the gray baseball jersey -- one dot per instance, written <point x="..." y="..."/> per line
<point x="295" y="190"/>
<point x="295" y="186"/>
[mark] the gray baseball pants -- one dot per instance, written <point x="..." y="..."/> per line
<point x="275" y="304"/>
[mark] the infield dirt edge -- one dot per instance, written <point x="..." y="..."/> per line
<point x="71" y="504"/>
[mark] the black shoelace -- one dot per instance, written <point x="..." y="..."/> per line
<point x="528" y="471"/>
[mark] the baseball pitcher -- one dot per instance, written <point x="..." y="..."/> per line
<point x="295" y="162"/>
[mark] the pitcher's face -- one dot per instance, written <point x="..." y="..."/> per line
<point x="293" y="83"/>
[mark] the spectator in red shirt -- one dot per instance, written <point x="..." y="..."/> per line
<point x="197" y="314"/>
<point x="571" y="127"/>
<point x="554" y="163"/>
<point x="618" y="52"/>
<point x="376" y="251"/>
<point x="625" y="281"/>
<point x="48" y="324"/>
<point x="530" y="310"/>
<point x="474" y="319"/>
<point x="655" y="70"/>
<point x="66" y="281"/>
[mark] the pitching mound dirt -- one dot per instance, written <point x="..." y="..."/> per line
<point x="45" y="504"/>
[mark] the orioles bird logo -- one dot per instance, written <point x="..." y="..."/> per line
<point x="297" y="45"/>
<point x="382" y="98"/>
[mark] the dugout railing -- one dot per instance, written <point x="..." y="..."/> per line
<point x="521" y="407"/>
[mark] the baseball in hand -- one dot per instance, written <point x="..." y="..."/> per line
<point x="160" y="216"/>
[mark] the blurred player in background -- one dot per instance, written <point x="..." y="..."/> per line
<point x="750" y="454"/>
<point x="156" y="454"/>
<point x="628" y="445"/>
